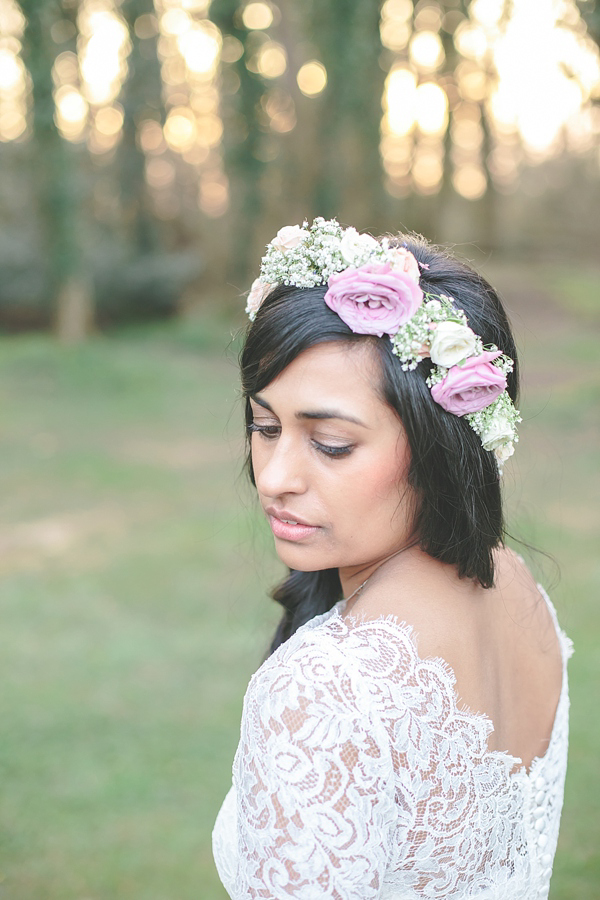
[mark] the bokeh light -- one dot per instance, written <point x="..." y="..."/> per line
<point x="160" y="173"/>
<point x="232" y="49"/>
<point x="428" y="167"/>
<point x="257" y="16"/>
<point x="271" y="60"/>
<point x="151" y="137"/>
<point x="432" y="108"/>
<point x="103" y="47"/>
<point x="213" y="195"/>
<point x="471" y="41"/>
<point x="109" y="120"/>
<point x="312" y="78"/>
<point x="401" y="10"/>
<point x="175" y="21"/>
<point x="533" y="97"/>
<point x="400" y="101"/>
<point x="71" y="112"/>
<point x="14" y="80"/>
<point x="279" y="107"/>
<point x="200" y="47"/>
<point x="543" y="83"/>
<point x="394" y="35"/>
<point x="180" y="129"/>
<point x="535" y="91"/>
<point x="426" y="50"/>
<point x="470" y="182"/>
<point x="11" y="70"/>
<point x="428" y="17"/>
<point x="190" y="48"/>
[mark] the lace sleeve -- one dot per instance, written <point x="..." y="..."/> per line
<point x="314" y="782"/>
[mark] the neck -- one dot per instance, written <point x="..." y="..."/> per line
<point x="354" y="577"/>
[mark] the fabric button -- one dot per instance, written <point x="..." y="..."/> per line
<point x="539" y="825"/>
<point x="546" y="859"/>
<point x="539" y="782"/>
<point x="538" y="813"/>
<point x="539" y="797"/>
<point x="542" y="841"/>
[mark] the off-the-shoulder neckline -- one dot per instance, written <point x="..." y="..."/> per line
<point x="515" y="763"/>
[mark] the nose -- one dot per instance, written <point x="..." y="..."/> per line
<point x="279" y="469"/>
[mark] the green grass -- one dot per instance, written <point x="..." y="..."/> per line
<point x="134" y="572"/>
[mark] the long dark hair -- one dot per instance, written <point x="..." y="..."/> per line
<point x="458" y="516"/>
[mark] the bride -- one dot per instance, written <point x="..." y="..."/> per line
<point x="407" y="736"/>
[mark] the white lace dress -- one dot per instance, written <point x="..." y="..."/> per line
<point x="357" y="777"/>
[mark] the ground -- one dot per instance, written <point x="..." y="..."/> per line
<point x="134" y="575"/>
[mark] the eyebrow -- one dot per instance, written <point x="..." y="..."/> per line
<point x="313" y="414"/>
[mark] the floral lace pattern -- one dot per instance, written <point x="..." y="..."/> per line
<point x="357" y="776"/>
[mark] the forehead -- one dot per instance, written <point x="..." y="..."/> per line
<point x="333" y="375"/>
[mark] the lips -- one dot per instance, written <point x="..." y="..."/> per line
<point x="285" y="516"/>
<point x="288" y="527"/>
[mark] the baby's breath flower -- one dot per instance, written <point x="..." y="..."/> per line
<point x="308" y="255"/>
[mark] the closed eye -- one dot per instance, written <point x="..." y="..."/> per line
<point x="333" y="452"/>
<point x="270" y="432"/>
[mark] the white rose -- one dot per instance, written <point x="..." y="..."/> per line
<point x="289" y="237"/>
<point x="356" y="247"/>
<point x="499" y="433"/>
<point x="504" y="451"/>
<point x="258" y="292"/>
<point x="451" y="342"/>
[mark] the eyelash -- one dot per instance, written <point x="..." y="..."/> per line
<point x="269" y="432"/>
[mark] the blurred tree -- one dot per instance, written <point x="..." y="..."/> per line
<point x="56" y="169"/>
<point x="348" y="178"/>
<point x="245" y="162"/>
<point x="141" y="99"/>
<point x="399" y="129"/>
<point x="454" y="15"/>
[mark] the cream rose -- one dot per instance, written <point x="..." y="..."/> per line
<point x="289" y="237"/>
<point x="404" y="261"/>
<point x="355" y="247"/>
<point x="504" y="451"/>
<point x="258" y="292"/>
<point x="499" y="433"/>
<point x="452" y="342"/>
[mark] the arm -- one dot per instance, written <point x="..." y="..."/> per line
<point x="314" y="782"/>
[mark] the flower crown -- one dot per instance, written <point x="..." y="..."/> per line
<point x="374" y="288"/>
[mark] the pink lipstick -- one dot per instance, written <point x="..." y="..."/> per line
<point x="288" y="527"/>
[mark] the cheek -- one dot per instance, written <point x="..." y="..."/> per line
<point x="380" y="488"/>
<point x="376" y="490"/>
<point x="258" y="455"/>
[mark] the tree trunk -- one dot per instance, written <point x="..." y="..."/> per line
<point x="56" y="170"/>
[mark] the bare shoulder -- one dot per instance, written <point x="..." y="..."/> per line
<point x="422" y="592"/>
<point x="522" y="601"/>
<point x="500" y="642"/>
<point x="447" y="612"/>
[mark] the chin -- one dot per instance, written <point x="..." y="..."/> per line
<point x="302" y="559"/>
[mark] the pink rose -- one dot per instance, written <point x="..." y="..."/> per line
<point x="472" y="386"/>
<point x="374" y="299"/>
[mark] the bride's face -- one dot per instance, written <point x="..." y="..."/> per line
<point x="330" y="459"/>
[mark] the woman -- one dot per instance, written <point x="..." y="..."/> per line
<point x="407" y="736"/>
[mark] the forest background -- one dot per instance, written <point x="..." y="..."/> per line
<point x="149" y="149"/>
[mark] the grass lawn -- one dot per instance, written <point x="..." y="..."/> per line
<point x="134" y="571"/>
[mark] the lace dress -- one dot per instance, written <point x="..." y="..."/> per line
<point x="358" y="777"/>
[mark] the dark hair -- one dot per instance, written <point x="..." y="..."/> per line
<point x="458" y="515"/>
